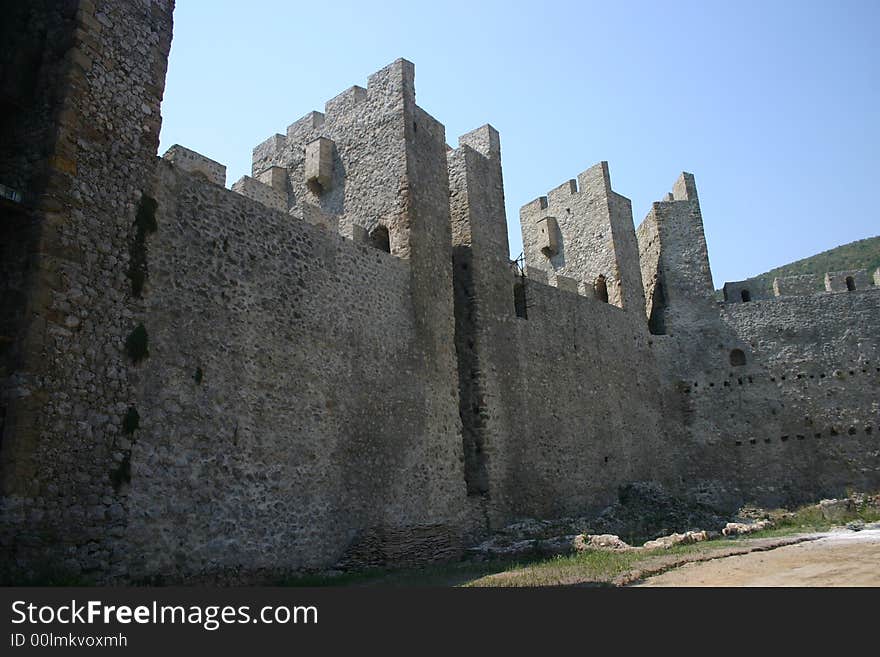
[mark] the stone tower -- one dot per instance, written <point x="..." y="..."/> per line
<point x="582" y="231"/>
<point x="82" y="85"/>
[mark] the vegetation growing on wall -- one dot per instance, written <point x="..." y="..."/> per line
<point x="121" y="474"/>
<point x="144" y="224"/>
<point x="131" y="421"/>
<point x="136" y="344"/>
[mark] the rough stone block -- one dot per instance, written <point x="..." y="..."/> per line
<point x="847" y="281"/>
<point x="196" y="163"/>
<point x="567" y="284"/>
<point x="345" y="101"/>
<point x="537" y="275"/>
<point x="312" y="214"/>
<point x="261" y="193"/>
<point x="548" y="236"/>
<point x="304" y="126"/>
<point x="743" y="292"/>
<point x="319" y="164"/>
<point x="275" y="177"/>
<point x="796" y="285"/>
<point x="359" y="234"/>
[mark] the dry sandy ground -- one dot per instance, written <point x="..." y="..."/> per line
<point x="839" y="558"/>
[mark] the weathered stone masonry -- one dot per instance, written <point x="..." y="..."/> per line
<point x="67" y="382"/>
<point x="336" y="363"/>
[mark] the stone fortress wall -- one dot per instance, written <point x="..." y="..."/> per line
<point x="336" y="362"/>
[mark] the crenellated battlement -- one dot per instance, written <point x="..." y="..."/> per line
<point x="674" y="261"/>
<point x="304" y="128"/>
<point x="196" y="163"/>
<point x="268" y="149"/>
<point x="338" y="355"/>
<point x="847" y="281"/>
<point x="260" y="192"/>
<point x="332" y="158"/>
<point x="582" y="231"/>
<point x="800" y="285"/>
<point x="743" y="292"/>
<point x="345" y="101"/>
<point x="795" y="285"/>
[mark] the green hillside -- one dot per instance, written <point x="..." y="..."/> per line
<point x="861" y="254"/>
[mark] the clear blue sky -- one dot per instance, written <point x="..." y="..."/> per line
<point x="774" y="106"/>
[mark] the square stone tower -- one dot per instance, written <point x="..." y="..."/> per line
<point x="582" y="234"/>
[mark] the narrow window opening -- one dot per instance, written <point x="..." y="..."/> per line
<point x="737" y="359"/>
<point x="519" y="300"/>
<point x="656" y="321"/>
<point x="850" y="284"/>
<point x="380" y="239"/>
<point x="601" y="289"/>
<point x="746" y="296"/>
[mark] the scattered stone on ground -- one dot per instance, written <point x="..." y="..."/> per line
<point x="600" y="542"/>
<point x="503" y="547"/>
<point x="667" y="542"/>
<point x="737" y="528"/>
<point x="836" y="510"/>
<point x="648" y="514"/>
<point x="645" y="510"/>
<point x="826" y="559"/>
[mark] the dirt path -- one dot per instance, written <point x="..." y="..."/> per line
<point x="840" y="558"/>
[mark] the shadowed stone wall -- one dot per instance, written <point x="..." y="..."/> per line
<point x="336" y="363"/>
<point x="63" y="455"/>
<point x="288" y="405"/>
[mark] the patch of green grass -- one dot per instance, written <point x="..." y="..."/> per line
<point x="596" y="567"/>
<point x="590" y="567"/>
<point x="810" y="519"/>
<point x="449" y="574"/>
